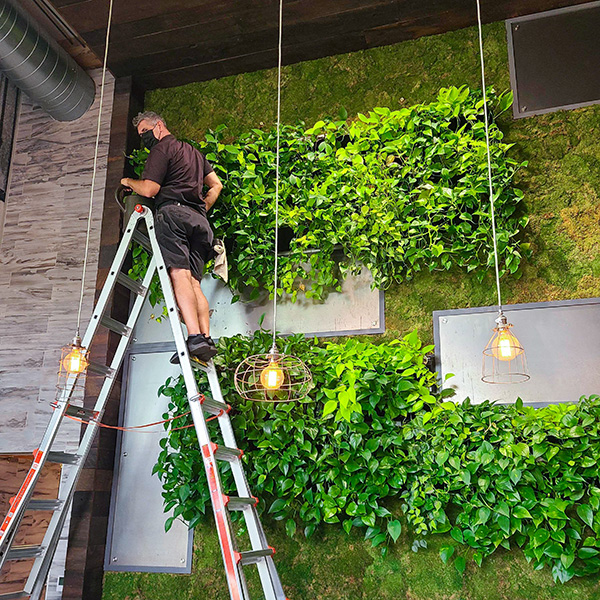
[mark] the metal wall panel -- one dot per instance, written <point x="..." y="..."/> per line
<point x="356" y="310"/>
<point x="137" y="540"/>
<point x="554" y="59"/>
<point x="561" y="341"/>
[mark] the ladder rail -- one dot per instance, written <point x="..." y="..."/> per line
<point x="235" y="577"/>
<point x="111" y="280"/>
<point x="18" y="505"/>
<point x="266" y="568"/>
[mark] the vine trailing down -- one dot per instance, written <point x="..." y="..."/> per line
<point x="486" y="476"/>
<point x="397" y="191"/>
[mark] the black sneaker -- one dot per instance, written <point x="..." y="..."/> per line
<point x="202" y="347"/>
<point x="199" y="346"/>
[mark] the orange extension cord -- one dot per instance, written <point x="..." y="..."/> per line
<point x="136" y="428"/>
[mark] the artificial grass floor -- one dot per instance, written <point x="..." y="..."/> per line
<point x="334" y="566"/>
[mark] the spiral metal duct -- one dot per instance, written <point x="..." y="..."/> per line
<point x="40" y="68"/>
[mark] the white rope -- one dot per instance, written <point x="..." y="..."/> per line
<point x="277" y="170"/>
<point x="95" y="167"/>
<point x="489" y="160"/>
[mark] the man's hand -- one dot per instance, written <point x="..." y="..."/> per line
<point x="214" y="189"/>
<point x="142" y="187"/>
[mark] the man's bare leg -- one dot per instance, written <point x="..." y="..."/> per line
<point x="202" y="308"/>
<point x="186" y="297"/>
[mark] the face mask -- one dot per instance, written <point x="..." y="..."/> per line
<point x="149" y="139"/>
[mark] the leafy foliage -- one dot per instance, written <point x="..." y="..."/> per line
<point x="398" y="191"/>
<point x="490" y="475"/>
<point x="314" y="468"/>
<point x="512" y="474"/>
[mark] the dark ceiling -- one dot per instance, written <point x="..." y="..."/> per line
<point x="162" y="43"/>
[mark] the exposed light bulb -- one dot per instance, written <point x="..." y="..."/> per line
<point x="505" y="345"/>
<point x="272" y="376"/>
<point x="75" y="361"/>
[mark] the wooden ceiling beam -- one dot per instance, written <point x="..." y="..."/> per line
<point x="171" y="42"/>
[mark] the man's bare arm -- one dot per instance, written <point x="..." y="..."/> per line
<point x="143" y="187"/>
<point x="214" y="189"/>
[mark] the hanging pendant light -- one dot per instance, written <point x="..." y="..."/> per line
<point x="274" y="377"/>
<point x="74" y="359"/>
<point x="73" y="363"/>
<point x="503" y="358"/>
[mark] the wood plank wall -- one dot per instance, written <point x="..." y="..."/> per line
<point x="13" y="470"/>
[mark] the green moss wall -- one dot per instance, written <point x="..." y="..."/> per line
<point x="561" y="197"/>
<point x="560" y="183"/>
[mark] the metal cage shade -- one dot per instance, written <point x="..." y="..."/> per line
<point x="504" y="359"/>
<point x="286" y="375"/>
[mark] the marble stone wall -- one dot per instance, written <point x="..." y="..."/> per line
<point x="41" y="266"/>
<point x="41" y="261"/>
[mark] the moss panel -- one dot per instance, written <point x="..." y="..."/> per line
<point x="560" y="181"/>
<point x="398" y="75"/>
<point x="561" y="199"/>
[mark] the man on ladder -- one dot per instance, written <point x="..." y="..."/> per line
<point x="175" y="175"/>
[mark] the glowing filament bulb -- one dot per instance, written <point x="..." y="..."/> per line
<point x="506" y="346"/>
<point x="272" y="376"/>
<point x="75" y="361"/>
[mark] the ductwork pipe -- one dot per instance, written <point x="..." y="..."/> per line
<point x="41" y="68"/>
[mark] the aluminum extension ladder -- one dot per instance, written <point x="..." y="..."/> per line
<point x="261" y="553"/>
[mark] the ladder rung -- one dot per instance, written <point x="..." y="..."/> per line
<point x="254" y="556"/>
<point x="44" y="505"/>
<point x="14" y="596"/>
<point x="235" y="503"/>
<point x="213" y="407"/>
<point x="81" y="412"/>
<point x="99" y="369"/>
<point x="142" y="240"/>
<point x="131" y="284"/>
<point x="116" y="326"/>
<point x="64" y="458"/>
<point x="198" y="365"/>
<point x="19" y="552"/>
<point x="227" y="454"/>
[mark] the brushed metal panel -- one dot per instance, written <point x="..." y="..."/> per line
<point x="137" y="539"/>
<point x="356" y="310"/>
<point x="554" y="59"/>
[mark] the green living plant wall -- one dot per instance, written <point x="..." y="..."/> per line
<point x="491" y="476"/>
<point x="560" y="184"/>
<point x="398" y="191"/>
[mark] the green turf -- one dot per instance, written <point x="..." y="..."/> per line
<point x="334" y="566"/>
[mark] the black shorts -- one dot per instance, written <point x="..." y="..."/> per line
<point x="185" y="238"/>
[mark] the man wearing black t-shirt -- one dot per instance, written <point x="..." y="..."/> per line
<point x="175" y="175"/>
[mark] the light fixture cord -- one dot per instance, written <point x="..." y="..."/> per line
<point x="94" y="169"/>
<point x="489" y="160"/>
<point x="277" y="170"/>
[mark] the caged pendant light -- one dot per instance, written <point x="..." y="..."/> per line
<point x="274" y="377"/>
<point x="74" y="357"/>
<point x="504" y="358"/>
